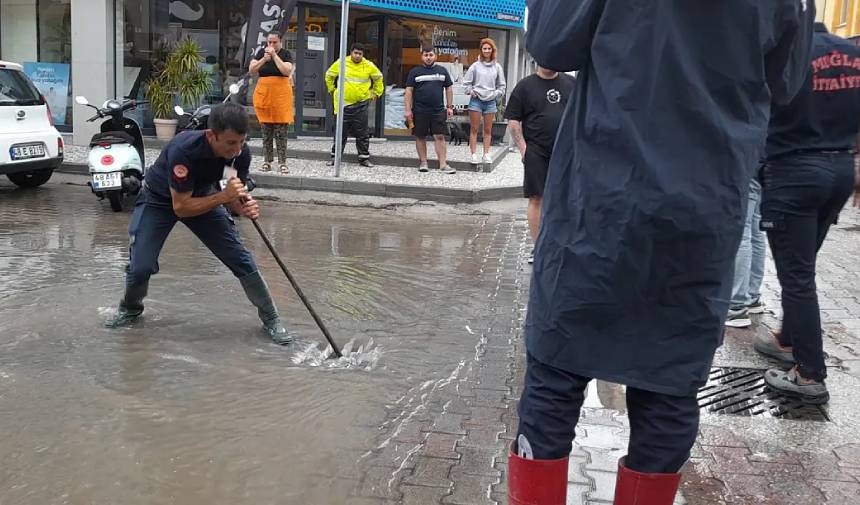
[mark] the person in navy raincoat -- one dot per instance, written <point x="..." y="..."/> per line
<point x="643" y="212"/>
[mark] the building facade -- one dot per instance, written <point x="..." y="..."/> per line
<point x="107" y="48"/>
<point x="842" y="17"/>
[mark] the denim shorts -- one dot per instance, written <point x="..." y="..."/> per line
<point x="478" y="105"/>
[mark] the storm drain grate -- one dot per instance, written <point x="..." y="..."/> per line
<point x="743" y="392"/>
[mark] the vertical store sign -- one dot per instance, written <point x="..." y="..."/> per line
<point x="266" y="16"/>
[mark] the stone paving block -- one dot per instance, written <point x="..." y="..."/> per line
<point x="449" y="423"/>
<point x="824" y="466"/>
<point x="474" y="490"/>
<point x="603" y="437"/>
<point x="604" y="485"/>
<point x="576" y="493"/>
<point x="394" y="454"/>
<point x="840" y="492"/>
<point x="430" y="472"/>
<point x="456" y="405"/>
<point x="604" y="459"/>
<point x="487" y="398"/>
<point x="743" y="489"/>
<point x="421" y="495"/>
<point x="478" y="460"/>
<point x="576" y="470"/>
<point x="486" y="415"/>
<point x="719" y="436"/>
<point x="605" y="417"/>
<point x="482" y="436"/>
<point x="848" y="454"/>
<point x="731" y="460"/>
<point x="759" y="455"/>
<point x="440" y="445"/>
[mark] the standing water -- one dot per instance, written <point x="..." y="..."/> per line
<point x="194" y="404"/>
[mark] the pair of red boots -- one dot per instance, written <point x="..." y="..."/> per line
<point x="544" y="482"/>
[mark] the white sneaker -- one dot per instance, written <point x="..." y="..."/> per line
<point x="475" y="159"/>
<point x="423" y="167"/>
<point x="487" y="158"/>
<point x="448" y="169"/>
<point x="738" y="318"/>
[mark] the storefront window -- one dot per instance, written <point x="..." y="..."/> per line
<point x="456" y="48"/>
<point x="37" y="34"/>
<point x="150" y="28"/>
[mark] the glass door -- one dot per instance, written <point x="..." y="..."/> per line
<point x="369" y="30"/>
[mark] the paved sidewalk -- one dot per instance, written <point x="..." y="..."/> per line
<point x="399" y="180"/>
<point x="741" y="460"/>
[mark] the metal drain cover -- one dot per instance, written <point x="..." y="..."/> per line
<point x="742" y="392"/>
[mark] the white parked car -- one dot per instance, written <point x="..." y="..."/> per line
<point x="30" y="147"/>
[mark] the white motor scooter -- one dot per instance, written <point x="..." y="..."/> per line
<point x="116" y="157"/>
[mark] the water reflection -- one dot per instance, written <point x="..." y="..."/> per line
<point x="195" y="404"/>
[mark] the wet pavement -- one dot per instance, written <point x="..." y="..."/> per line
<point x="195" y="405"/>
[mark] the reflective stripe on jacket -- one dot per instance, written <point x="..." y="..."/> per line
<point x="363" y="81"/>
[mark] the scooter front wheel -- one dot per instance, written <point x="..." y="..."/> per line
<point x="115" y="198"/>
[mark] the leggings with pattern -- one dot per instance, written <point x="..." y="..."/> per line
<point x="275" y="134"/>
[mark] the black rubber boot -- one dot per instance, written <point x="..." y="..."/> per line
<point x="258" y="293"/>
<point x="130" y="307"/>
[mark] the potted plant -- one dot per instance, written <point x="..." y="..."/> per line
<point x="179" y="76"/>
<point x="500" y="125"/>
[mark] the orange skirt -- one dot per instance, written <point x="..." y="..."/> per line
<point x="273" y="101"/>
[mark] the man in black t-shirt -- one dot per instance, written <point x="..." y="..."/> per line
<point x="426" y="110"/>
<point x="534" y="114"/>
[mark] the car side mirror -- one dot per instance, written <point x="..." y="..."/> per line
<point x="81" y="100"/>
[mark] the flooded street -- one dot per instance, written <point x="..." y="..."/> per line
<point x="194" y="404"/>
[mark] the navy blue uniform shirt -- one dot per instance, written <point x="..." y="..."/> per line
<point x="825" y="115"/>
<point x="203" y="170"/>
<point x="646" y="194"/>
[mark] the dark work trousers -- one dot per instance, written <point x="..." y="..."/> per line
<point x="663" y="428"/>
<point x="151" y="223"/>
<point x="802" y="196"/>
<point x="355" y="118"/>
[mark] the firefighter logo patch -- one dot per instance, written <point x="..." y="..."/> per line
<point x="180" y="173"/>
<point x="553" y="96"/>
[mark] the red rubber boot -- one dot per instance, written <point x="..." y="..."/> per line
<point x="536" y="481"/>
<point x="634" y="488"/>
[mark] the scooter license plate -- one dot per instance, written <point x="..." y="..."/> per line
<point x="111" y="180"/>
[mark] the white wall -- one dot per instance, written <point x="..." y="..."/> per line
<point x="93" y="66"/>
<point x="18" y="31"/>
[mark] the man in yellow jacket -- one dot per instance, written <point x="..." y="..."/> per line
<point x="363" y="83"/>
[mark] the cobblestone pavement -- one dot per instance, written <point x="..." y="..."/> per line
<point x="445" y="441"/>
<point x="450" y="446"/>
<point x="757" y="460"/>
<point x="452" y="450"/>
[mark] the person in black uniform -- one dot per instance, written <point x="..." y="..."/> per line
<point x="534" y="114"/>
<point x="808" y="178"/>
<point x="643" y="211"/>
<point x="183" y="185"/>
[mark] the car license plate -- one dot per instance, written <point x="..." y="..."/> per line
<point x="28" y="151"/>
<point x="110" y="180"/>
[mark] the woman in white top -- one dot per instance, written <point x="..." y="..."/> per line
<point x="485" y="83"/>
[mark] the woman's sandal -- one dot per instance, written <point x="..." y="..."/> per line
<point x="266" y="167"/>
<point x="283" y="169"/>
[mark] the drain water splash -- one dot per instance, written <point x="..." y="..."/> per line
<point x="366" y="357"/>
